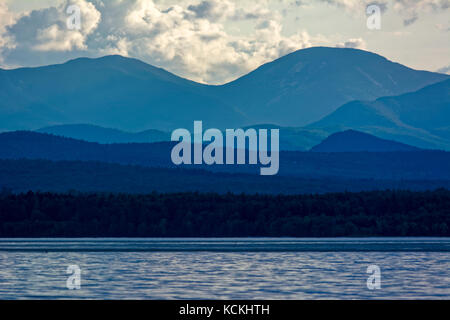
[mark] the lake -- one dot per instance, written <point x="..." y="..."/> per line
<point x="410" y="268"/>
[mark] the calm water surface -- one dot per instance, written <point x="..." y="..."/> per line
<point x="225" y="268"/>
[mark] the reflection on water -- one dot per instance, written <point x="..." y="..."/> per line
<point x="224" y="275"/>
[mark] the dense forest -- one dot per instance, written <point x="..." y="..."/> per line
<point x="376" y="213"/>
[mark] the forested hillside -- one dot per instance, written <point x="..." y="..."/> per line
<point x="63" y="176"/>
<point x="378" y="213"/>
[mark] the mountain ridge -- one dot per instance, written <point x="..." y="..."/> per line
<point x="414" y="165"/>
<point x="356" y="141"/>
<point x="419" y="118"/>
<point x="93" y="133"/>
<point x="128" y="94"/>
<point x="323" y="78"/>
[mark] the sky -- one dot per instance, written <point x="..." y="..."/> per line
<point x="216" y="41"/>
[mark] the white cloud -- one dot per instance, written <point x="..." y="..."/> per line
<point x="409" y="9"/>
<point x="46" y="30"/>
<point x="444" y="70"/>
<point x="443" y="27"/>
<point x="6" y="19"/>
<point x="356" y="5"/>
<point x="355" y="43"/>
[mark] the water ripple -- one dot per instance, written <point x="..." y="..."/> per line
<point x="224" y="275"/>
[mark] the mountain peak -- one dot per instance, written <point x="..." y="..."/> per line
<point x="303" y="86"/>
<point x="115" y="58"/>
<point x="125" y="64"/>
<point x="419" y="118"/>
<point x="128" y="94"/>
<point x="356" y="141"/>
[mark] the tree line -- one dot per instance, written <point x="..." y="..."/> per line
<point x="375" y="213"/>
<point x="63" y="176"/>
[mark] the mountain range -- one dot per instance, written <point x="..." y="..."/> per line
<point x="419" y="118"/>
<point x="355" y="141"/>
<point x="384" y="165"/>
<point x="127" y="94"/>
<point x="92" y="133"/>
<point x="112" y="91"/>
<point x="292" y="139"/>
<point x="306" y="85"/>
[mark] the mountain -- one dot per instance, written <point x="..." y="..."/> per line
<point x="127" y="94"/>
<point x="99" y="134"/>
<point x="33" y="145"/>
<point x="291" y="139"/>
<point x="112" y="91"/>
<point x="395" y="166"/>
<point x="304" y="86"/>
<point x="355" y="141"/>
<point x="63" y="176"/>
<point x="419" y="118"/>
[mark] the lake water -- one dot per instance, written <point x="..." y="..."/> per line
<point x="416" y="268"/>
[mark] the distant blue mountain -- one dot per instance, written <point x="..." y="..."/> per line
<point x="127" y="94"/>
<point x="308" y="84"/>
<point x="113" y="92"/>
<point x="33" y="145"/>
<point x="355" y="141"/>
<point x="295" y="139"/>
<point x="99" y="134"/>
<point x="414" y="165"/>
<point x="292" y="139"/>
<point x="419" y="118"/>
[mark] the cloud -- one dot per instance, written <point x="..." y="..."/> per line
<point x="356" y="5"/>
<point x="444" y="70"/>
<point x="408" y="9"/>
<point x="188" y="39"/>
<point x="46" y="30"/>
<point x="212" y="10"/>
<point x="443" y="27"/>
<point x="409" y="21"/>
<point x="356" y="43"/>
<point x="411" y="9"/>
<point x="6" y="19"/>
